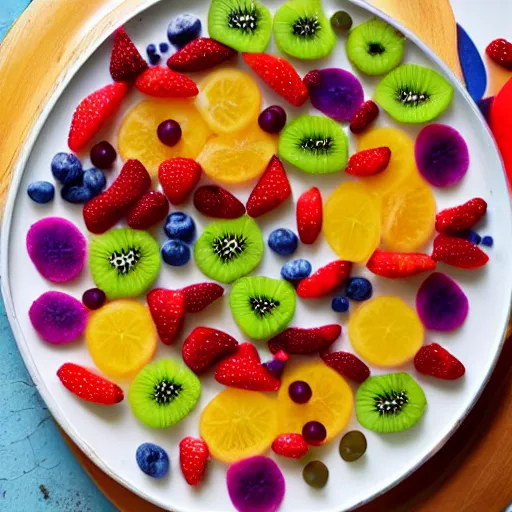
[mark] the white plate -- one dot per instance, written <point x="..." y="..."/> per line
<point x="110" y="436"/>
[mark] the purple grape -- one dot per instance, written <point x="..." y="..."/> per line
<point x="169" y="132"/>
<point x="272" y="119"/>
<point x="275" y="367"/>
<point x="314" y="433"/>
<point x="300" y="392"/>
<point x="103" y="155"/>
<point x="93" y="298"/>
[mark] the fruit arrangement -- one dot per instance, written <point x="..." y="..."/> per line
<point x="192" y="144"/>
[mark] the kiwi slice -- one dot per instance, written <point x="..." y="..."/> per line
<point x="375" y="48"/>
<point x="262" y="307"/>
<point x="229" y="249"/>
<point x="124" y="262"/>
<point x="303" y="31"/>
<point x="414" y="94"/>
<point x="390" y="403"/>
<point x="245" y="25"/>
<point x="314" y="144"/>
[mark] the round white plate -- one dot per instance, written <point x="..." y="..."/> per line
<point x="110" y="436"/>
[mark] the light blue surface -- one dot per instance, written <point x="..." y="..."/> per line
<point x="37" y="470"/>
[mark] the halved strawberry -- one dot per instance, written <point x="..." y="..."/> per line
<point x="462" y="217"/>
<point x="296" y="340"/>
<point x="458" y="252"/>
<point x="200" y="296"/>
<point x="126" y="63"/>
<point x="290" y="445"/>
<point x="178" y="177"/>
<point x="149" y="210"/>
<point x="395" y="265"/>
<point x="309" y="215"/>
<point x="437" y="362"/>
<point x="348" y="365"/>
<point x="200" y="54"/>
<point x="368" y="112"/>
<point x="194" y="457"/>
<point x="167" y="309"/>
<point x="500" y="51"/>
<point x="164" y="83"/>
<point x="369" y="162"/>
<point x="325" y="280"/>
<point x="215" y="201"/>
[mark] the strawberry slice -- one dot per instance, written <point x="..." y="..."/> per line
<point x="395" y="265"/>
<point x="369" y="162"/>
<point x="437" y="362"/>
<point x="325" y="280"/>
<point x="291" y="445"/>
<point x="178" y="177"/>
<point x="309" y="215"/>
<point x="296" y="340"/>
<point x="347" y="365"/>
<point x="215" y="201"/>
<point x="458" y="252"/>
<point x="126" y="63"/>
<point x="167" y="309"/>
<point x="460" y="218"/>
<point x="365" y="116"/>
<point x="194" y="457"/>
<point x="149" y="210"/>
<point x="200" y="296"/>
<point x="200" y="54"/>
<point x="164" y="83"/>
<point x="500" y="51"/>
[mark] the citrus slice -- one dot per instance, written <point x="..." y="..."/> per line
<point x="331" y="402"/>
<point x="229" y="100"/>
<point x="121" y="338"/>
<point x="237" y="424"/>
<point x="138" y="137"/>
<point x="385" y="331"/>
<point x="351" y="223"/>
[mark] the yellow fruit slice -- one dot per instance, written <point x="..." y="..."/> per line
<point x="237" y="158"/>
<point x="121" y="338"/>
<point x="138" y="138"/>
<point x="352" y="222"/>
<point x="385" y="331"/>
<point x="331" y="403"/>
<point x="238" y="424"/>
<point x="229" y="100"/>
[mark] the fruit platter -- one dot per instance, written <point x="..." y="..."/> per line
<point x="256" y="256"/>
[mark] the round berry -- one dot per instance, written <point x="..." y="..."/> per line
<point x="169" y="132"/>
<point x="66" y="168"/>
<point x="163" y="47"/>
<point x="473" y="237"/>
<point x="487" y="241"/>
<point x="180" y="226"/>
<point x="341" y="22"/>
<point x="340" y="304"/>
<point x="283" y="241"/>
<point x="272" y="119"/>
<point x="95" y="180"/>
<point x="183" y="28"/>
<point x="93" y="298"/>
<point x="76" y="194"/>
<point x="41" y="191"/>
<point x="154" y="59"/>
<point x="315" y="474"/>
<point x="103" y="155"/>
<point x="151" y="49"/>
<point x="175" y="253"/>
<point x="152" y="460"/>
<point x="352" y="446"/>
<point x="359" y="288"/>
<point x="314" y="433"/>
<point x="300" y="392"/>
<point x="296" y="270"/>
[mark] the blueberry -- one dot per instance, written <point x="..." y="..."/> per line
<point x="183" y="29"/>
<point x="180" y="226"/>
<point x="164" y="47"/>
<point x="66" y="168"/>
<point x="359" y="288"/>
<point x="41" y="191"/>
<point x="151" y="49"/>
<point x="488" y="241"/>
<point x="283" y="241"/>
<point x="76" y="193"/>
<point x="340" y="304"/>
<point x="154" y="59"/>
<point x="175" y="253"/>
<point x="95" y="180"/>
<point x="473" y="237"/>
<point x="295" y="270"/>
<point x="153" y="460"/>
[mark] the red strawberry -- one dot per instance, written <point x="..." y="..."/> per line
<point x="244" y="370"/>
<point x="458" y="252"/>
<point x="105" y="210"/>
<point x="437" y="362"/>
<point x="150" y="209"/>
<point x="200" y="296"/>
<point x="89" y="386"/>
<point x="200" y="54"/>
<point x="194" y="456"/>
<point x="280" y="75"/>
<point x="394" y="265"/>
<point x="296" y="340"/>
<point x="460" y="218"/>
<point x="293" y="446"/>
<point x="205" y="347"/>
<point x="92" y="112"/>
<point x="167" y="309"/>
<point x="312" y="79"/>
<point x="325" y="280"/>
<point x="126" y="63"/>
<point x="165" y="83"/>
<point x="215" y="201"/>
<point x="347" y="365"/>
<point x="309" y="215"/>
<point x="369" y="162"/>
<point x="365" y="116"/>
<point x="178" y="177"/>
<point x="271" y="190"/>
<point x="500" y="51"/>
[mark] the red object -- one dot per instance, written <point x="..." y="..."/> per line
<point x="204" y="347"/>
<point x="164" y="83"/>
<point x="395" y="265"/>
<point x="325" y="280"/>
<point x="368" y="112"/>
<point x="292" y="446"/>
<point x="194" y="457"/>
<point x="437" y="362"/>
<point x="272" y="189"/>
<point x="200" y="296"/>
<point x="369" y="162"/>
<point x="460" y="218"/>
<point x="149" y="210"/>
<point x="309" y="215"/>
<point x="500" y="51"/>
<point x="280" y="76"/>
<point x="105" y="210"/>
<point x="178" y="177"/>
<point x="312" y="78"/>
<point x="244" y="370"/>
<point x="296" y="340"/>
<point x="126" y="63"/>
<point x="215" y="201"/>
<point x="458" y="252"/>
<point x="167" y="309"/>
<point x="348" y="365"/>
<point x="89" y="386"/>
<point x="93" y="111"/>
<point x="200" y="54"/>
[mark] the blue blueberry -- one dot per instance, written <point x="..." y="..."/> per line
<point x="175" y="253"/>
<point x="340" y="304"/>
<point x="95" y="180"/>
<point x="153" y="460"/>
<point x="151" y="49"/>
<point x="164" y="47"/>
<point x="283" y="241"/>
<point x="66" y="168"/>
<point x="155" y="59"/>
<point x="76" y="193"/>
<point x="488" y="241"/>
<point x="180" y="226"/>
<point x="473" y="237"/>
<point x="295" y="270"/>
<point x="183" y="29"/>
<point x="359" y="288"/>
<point x="41" y="191"/>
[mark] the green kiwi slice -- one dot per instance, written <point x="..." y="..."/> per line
<point x="229" y="249"/>
<point x="390" y="403"/>
<point x="163" y="393"/>
<point x="262" y="307"/>
<point x="375" y="48"/>
<point x="124" y="262"/>
<point x="303" y="31"/>
<point x="314" y="144"/>
<point x="414" y="94"/>
<point x="245" y="25"/>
